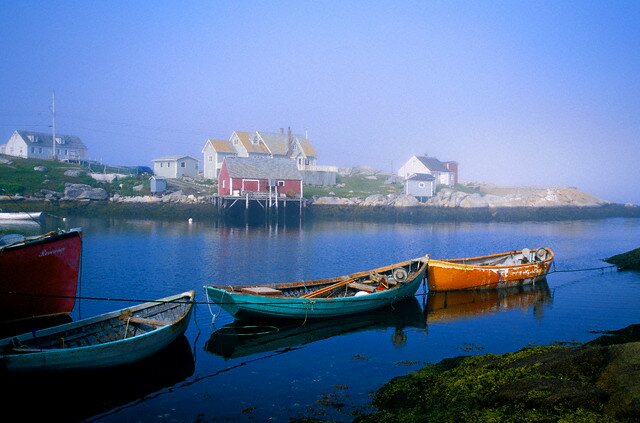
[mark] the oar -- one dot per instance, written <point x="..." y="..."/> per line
<point x="327" y="288"/>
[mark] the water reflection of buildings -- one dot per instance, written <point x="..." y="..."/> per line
<point x="456" y="305"/>
<point x="240" y="338"/>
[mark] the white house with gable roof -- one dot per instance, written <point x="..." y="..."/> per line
<point x="39" y="145"/>
<point x="173" y="167"/>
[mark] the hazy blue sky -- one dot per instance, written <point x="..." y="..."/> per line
<point x="518" y="92"/>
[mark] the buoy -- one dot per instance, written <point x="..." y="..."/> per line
<point x="190" y="221"/>
<point x="64" y="219"/>
<point x="361" y="293"/>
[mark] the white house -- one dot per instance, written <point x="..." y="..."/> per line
<point x="293" y="146"/>
<point x="445" y="173"/>
<point x="214" y="152"/>
<point x="247" y="144"/>
<point x="38" y="145"/>
<point x="173" y="167"/>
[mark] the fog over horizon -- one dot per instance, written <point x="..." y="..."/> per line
<point x="518" y="93"/>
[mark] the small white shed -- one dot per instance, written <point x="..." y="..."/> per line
<point x="420" y="185"/>
<point x="157" y="184"/>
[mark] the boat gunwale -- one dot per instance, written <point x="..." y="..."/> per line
<point x="42" y="239"/>
<point x="189" y="295"/>
<point x="456" y="263"/>
<point x="237" y="289"/>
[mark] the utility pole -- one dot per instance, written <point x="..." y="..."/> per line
<point x="53" y="123"/>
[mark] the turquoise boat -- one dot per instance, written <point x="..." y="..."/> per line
<point x="331" y="297"/>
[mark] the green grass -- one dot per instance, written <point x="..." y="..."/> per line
<point x="18" y="177"/>
<point x="355" y="186"/>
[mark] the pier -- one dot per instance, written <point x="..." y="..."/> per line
<point x="268" y="201"/>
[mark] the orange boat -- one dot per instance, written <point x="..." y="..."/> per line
<point x="501" y="270"/>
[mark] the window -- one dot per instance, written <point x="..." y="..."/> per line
<point x="168" y="164"/>
<point x="182" y="164"/>
<point x="33" y="149"/>
<point x="280" y="183"/>
<point x="40" y="150"/>
<point x="161" y="164"/>
<point x="306" y="161"/>
<point x="210" y="158"/>
<point x="224" y="183"/>
<point x="421" y="185"/>
<point x="66" y="153"/>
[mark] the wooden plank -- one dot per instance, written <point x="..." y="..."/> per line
<point x="261" y="290"/>
<point x="145" y="321"/>
<point x="362" y="287"/>
<point x="327" y="288"/>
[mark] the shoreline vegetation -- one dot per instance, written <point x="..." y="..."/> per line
<point x="598" y="381"/>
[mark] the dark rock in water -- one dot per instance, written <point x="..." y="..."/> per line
<point x="626" y="261"/>
<point x="596" y="381"/>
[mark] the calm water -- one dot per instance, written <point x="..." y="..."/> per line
<point x="328" y="370"/>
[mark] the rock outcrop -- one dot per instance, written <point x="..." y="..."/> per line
<point x="84" y="192"/>
<point x="484" y="196"/>
<point x="489" y="196"/>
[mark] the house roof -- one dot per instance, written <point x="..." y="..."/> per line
<point x="421" y="177"/>
<point x="307" y="148"/>
<point x="221" y="146"/>
<point x="276" y="143"/>
<point x="433" y="164"/>
<point x="262" y="168"/>
<point x="279" y="146"/>
<point x="41" y="138"/>
<point x="245" y="139"/>
<point x="172" y="158"/>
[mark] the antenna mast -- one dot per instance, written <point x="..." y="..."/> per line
<point x="53" y="123"/>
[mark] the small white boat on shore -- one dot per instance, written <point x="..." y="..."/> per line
<point x="21" y="216"/>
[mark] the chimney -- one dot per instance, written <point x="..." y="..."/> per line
<point x="289" y="141"/>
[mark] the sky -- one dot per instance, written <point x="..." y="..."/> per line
<point x="536" y="93"/>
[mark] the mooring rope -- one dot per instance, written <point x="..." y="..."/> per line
<point x="210" y="303"/>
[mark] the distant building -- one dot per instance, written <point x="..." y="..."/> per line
<point x="173" y="167"/>
<point x="420" y="185"/>
<point x="215" y="151"/>
<point x="39" y="145"/>
<point x="445" y="173"/>
<point x="157" y="184"/>
<point x="277" y="176"/>
<point x="266" y="144"/>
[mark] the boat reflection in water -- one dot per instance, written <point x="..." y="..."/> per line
<point x="99" y="392"/>
<point x="455" y="305"/>
<point x="244" y="338"/>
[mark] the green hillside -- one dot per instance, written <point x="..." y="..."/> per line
<point x="18" y="176"/>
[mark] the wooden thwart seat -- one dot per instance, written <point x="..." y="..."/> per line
<point x="362" y="287"/>
<point x="145" y="321"/>
<point x="261" y="290"/>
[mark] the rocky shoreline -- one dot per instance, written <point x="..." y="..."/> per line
<point x="471" y="202"/>
<point x="167" y="207"/>
<point x="477" y="196"/>
<point x="597" y="382"/>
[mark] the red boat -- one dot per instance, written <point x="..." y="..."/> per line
<point x="39" y="274"/>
